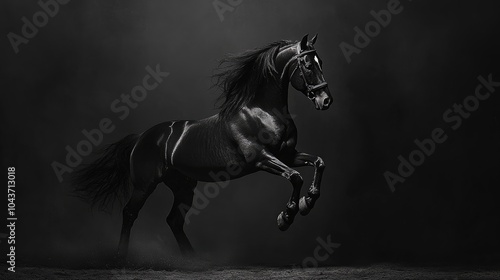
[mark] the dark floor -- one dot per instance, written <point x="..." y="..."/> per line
<point x="381" y="271"/>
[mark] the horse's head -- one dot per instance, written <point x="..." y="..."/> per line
<point x="306" y="73"/>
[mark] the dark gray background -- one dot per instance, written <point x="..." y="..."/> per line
<point x="393" y="92"/>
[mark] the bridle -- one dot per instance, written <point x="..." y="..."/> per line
<point x="300" y="65"/>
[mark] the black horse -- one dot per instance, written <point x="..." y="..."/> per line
<point x="253" y="131"/>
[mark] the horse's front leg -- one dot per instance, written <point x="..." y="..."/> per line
<point x="306" y="203"/>
<point x="273" y="165"/>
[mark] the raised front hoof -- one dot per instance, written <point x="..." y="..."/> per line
<point x="304" y="208"/>
<point x="282" y="223"/>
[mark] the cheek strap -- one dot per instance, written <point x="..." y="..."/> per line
<point x="300" y="64"/>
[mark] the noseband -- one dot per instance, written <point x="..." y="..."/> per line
<point x="300" y="65"/>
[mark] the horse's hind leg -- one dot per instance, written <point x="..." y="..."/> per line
<point x="130" y="213"/>
<point x="182" y="187"/>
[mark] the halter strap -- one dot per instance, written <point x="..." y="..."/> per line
<point x="299" y="58"/>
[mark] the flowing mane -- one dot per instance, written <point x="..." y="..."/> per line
<point x="241" y="75"/>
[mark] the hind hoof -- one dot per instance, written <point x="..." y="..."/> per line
<point x="303" y="207"/>
<point x="282" y="224"/>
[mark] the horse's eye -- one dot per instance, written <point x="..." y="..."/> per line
<point x="310" y="95"/>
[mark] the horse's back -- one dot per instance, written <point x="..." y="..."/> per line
<point x="198" y="149"/>
<point x="204" y="149"/>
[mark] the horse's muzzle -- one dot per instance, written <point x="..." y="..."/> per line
<point x="323" y="100"/>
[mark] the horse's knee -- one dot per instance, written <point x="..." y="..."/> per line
<point x="319" y="163"/>
<point x="296" y="179"/>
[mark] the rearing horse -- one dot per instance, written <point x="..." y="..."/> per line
<point x="180" y="153"/>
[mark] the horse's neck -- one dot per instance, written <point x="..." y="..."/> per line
<point x="272" y="99"/>
<point x="274" y="95"/>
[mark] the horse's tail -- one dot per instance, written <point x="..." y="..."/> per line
<point x="108" y="177"/>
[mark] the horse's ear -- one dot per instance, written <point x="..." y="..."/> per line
<point x="303" y="42"/>
<point x="313" y="40"/>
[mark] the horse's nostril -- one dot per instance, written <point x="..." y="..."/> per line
<point x="326" y="102"/>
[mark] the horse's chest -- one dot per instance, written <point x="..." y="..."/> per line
<point x="282" y="136"/>
<point x="269" y="129"/>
